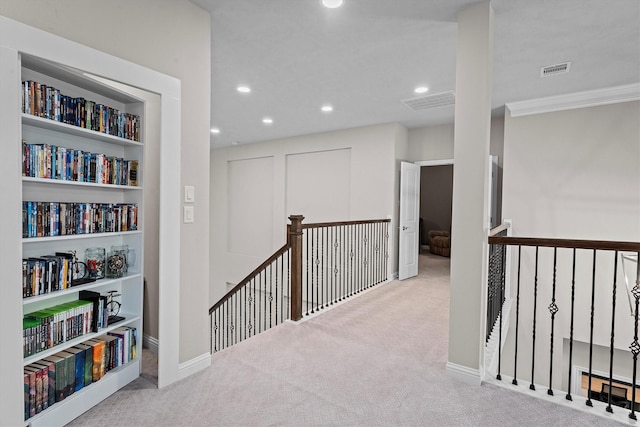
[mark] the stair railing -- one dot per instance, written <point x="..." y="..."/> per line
<point x="320" y="265"/>
<point x="568" y="319"/>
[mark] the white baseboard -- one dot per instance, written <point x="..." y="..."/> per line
<point x="194" y="365"/>
<point x="151" y="343"/>
<point x="464" y="373"/>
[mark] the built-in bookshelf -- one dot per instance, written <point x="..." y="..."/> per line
<point x="82" y="193"/>
<point x="79" y="71"/>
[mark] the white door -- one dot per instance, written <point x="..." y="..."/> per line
<point x="494" y="221"/>
<point x="409" y="244"/>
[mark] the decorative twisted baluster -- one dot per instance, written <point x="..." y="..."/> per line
<point x="613" y="325"/>
<point x="635" y="345"/>
<point x="573" y="298"/>
<point x="553" y="309"/>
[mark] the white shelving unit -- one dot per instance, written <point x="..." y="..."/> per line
<point x="38" y="130"/>
<point x="83" y="71"/>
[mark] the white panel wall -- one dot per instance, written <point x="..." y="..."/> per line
<point x="363" y="184"/>
<point x="250" y="205"/>
<point x="318" y="185"/>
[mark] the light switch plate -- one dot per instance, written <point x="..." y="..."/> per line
<point x="187" y="214"/>
<point x="189" y="194"/>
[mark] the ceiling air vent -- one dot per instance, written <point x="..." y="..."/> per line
<point x="551" y="70"/>
<point x="436" y="100"/>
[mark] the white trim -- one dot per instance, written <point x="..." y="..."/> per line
<point x="590" y="98"/>
<point x="150" y="343"/>
<point x="464" y="373"/>
<point x="194" y="365"/>
<point x="434" y="162"/>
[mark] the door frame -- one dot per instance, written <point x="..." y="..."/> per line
<point x="441" y="162"/>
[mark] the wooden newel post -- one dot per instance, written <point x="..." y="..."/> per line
<point x="295" y="239"/>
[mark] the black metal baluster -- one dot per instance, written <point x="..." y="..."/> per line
<point x="334" y="237"/>
<point x="351" y="255"/>
<point x="365" y="261"/>
<point x="226" y="311"/>
<point x="386" y="250"/>
<point x="243" y="312"/>
<point x="254" y="302"/>
<point x="613" y="325"/>
<point x="217" y="326"/>
<point x="535" y="304"/>
<point x="573" y="298"/>
<point x="307" y="238"/>
<point x="271" y="294"/>
<point x="593" y="294"/>
<point x="360" y="237"/>
<point x="234" y="317"/>
<point x="281" y="261"/>
<point x="502" y="265"/>
<point x="515" y="357"/>
<point x="553" y="309"/>
<point x="339" y="265"/>
<point x="211" y="333"/>
<point x="313" y="264"/>
<point x="635" y="346"/>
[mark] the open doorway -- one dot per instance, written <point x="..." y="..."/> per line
<point x="436" y="196"/>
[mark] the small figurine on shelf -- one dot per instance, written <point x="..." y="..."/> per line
<point x="95" y="258"/>
<point x="121" y="258"/>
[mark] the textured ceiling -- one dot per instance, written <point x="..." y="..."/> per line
<point x="367" y="56"/>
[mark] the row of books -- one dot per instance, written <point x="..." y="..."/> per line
<point x="46" y="328"/>
<point x="45" y="101"/>
<point x="54" y="378"/>
<point x="46" y="219"/>
<point x="46" y="274"/>
<point x="67" y="164"/>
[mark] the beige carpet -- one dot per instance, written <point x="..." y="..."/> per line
<point x="378" y="360"/>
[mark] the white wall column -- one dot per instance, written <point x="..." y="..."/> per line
<point x="470" y="188"/>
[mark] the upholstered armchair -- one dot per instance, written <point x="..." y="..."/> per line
<point x="439" y="242"/>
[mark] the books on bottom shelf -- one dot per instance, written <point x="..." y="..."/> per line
<point x="56" y="377"/>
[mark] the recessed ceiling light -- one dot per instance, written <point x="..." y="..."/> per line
<point x="215" y="130"/>
<point x="267" y="120"/>
<point x="327" y="108"/>
<point x="332" y="4"/>
<point x="421" y="89"/>
<point x="243" y="89"/>
<point x="235" y="143"/>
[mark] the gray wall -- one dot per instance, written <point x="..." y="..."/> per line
<point x="172" y="37"/>
<point x="436" y="193"/>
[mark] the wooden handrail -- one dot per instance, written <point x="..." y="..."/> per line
<point x="565" y="243"/>
<point x="339" y="223"/>
<point x="250" y="276"/>
<point x="292" y="234"/>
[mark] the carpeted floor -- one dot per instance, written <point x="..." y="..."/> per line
<point x="378" y="360"/>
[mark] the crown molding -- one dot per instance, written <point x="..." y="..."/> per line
<point x="590" y="98"/>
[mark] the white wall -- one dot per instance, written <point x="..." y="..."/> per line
<point x="172" y="37"/>
<point x="573" y="174"/>
<point x="351" y="172"/>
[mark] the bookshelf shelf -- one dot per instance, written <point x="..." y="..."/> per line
<point x="67" y="129"/>
<point x="80" y="236"/>
<point x="75" y="289"/>
<point x="78" y="402"/>
<point x="48" y="181"/>
<point x="129" y="319"/>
